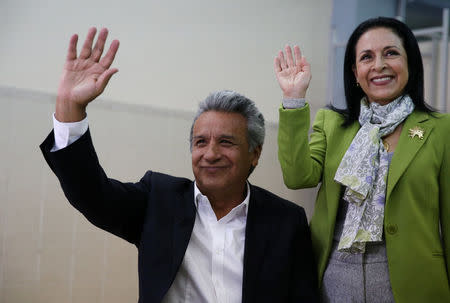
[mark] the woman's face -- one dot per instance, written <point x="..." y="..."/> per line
<point x="381" y="65"/>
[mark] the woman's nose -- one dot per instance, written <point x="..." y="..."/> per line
<point x="379" y="63"/>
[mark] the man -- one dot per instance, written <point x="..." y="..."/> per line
<point x="217" y="239"/>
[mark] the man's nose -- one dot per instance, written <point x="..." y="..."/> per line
<point x="212" y="153"/>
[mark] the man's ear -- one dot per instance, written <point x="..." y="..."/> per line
<point x="256" y="154"/>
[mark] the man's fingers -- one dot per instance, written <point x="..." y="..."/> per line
<point x="104" y="78"/>
<point x="108" y="59"/>
<point x="99" y="45"/>
<point x="290" y="59"/>
<point x="87" y="46"/>
<point x="72" y="51"/>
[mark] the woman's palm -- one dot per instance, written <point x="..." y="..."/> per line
<point x="293" y="75"/>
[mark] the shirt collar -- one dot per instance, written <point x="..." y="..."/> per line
<point x="198" y="195"/>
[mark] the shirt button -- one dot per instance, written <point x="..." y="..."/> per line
<point x="391" y="229"/>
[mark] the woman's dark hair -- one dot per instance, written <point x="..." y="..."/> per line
<point x="414" y="87"/>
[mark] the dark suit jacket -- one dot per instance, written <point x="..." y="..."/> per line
<point x="157" y="214"/>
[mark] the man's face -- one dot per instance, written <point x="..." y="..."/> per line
<point x="221" y="159"/>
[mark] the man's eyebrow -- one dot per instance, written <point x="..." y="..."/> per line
<point x="224" y="136"/>
<point x="198" y="138"/>
<point x="220" y="136"/>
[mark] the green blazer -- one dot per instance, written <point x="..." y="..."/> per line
<point x="417" y="211"/>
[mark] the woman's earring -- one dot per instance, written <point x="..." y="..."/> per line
<point x="357" y="83"/>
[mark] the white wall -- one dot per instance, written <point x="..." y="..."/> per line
<point x="172" y="54"/>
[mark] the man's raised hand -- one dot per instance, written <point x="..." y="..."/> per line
<point x="293" y="74"/>
<point x="84" y="77"/>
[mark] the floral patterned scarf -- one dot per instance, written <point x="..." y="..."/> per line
<point x="363" y="170"/>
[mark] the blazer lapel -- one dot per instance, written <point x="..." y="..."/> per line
<point x="407" y="147"/>
<point x="184" y="218"/>
<point x="256" y="238"/>
<point x="343" y="138"/>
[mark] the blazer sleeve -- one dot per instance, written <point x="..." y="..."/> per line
<point x="107" y="203"/>
<point x="444" y="195"/>
<point x="301" y="160"/>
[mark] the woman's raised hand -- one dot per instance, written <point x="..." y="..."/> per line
<point x="84" y="77"/>
<point x="293" y="74"/>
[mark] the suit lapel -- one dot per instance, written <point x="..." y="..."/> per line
<point x="256" y="238"/>
<point x="407" y="147"/>
<point x="184" y="218"/>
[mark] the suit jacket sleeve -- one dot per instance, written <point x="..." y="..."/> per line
<point x="304" y="280"/>
<point x="301" y="161"/>
<point x="109" y="204"/>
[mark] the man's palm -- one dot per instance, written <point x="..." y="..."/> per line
<point x="79" y="82"/>
<point x="86" y="76"/>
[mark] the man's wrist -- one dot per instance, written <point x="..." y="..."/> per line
<point x="67" y="112"/>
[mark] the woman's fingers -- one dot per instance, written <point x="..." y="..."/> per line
<point x="283" y="63"/>
<point x="277" y="65"/>
<point x="297" y="54"/>
<point x="305" y="66"/>
<point x="290" y="59"/>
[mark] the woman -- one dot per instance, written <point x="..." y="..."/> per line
<point x="381" y="225"/>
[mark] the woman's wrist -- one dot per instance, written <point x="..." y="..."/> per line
<point x="292" y="103"/>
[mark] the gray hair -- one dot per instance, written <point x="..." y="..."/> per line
<point x="232" y="102"/>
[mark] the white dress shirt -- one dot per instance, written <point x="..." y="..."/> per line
<point x="212" y="268"/>
<point x="67" y="132"/>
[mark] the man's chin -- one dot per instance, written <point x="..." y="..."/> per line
<point x="209" y="186"/>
